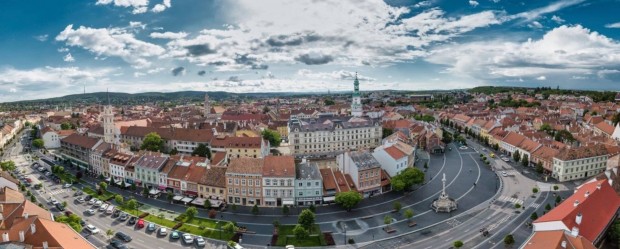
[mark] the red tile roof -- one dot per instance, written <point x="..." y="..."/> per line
<point x="279" y="166"/>
<point x="394" y="152"/>
<point x="554" y="239"/>
<point x="514" y="138"/>
<point x="597" y="209"/>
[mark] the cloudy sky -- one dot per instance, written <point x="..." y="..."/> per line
<point x="55" y="48"/>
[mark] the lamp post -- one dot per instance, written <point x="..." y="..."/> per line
<point x="219" y="228"/>
<point x="345" y="233"/>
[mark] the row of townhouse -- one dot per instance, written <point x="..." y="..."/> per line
<point x="9" y="129"/>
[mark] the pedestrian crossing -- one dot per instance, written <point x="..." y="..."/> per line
<point x="510" y="199"/>
<point x="58" y="191"/>
<point x="535" y="205"/>
<point x="454" y="222"/>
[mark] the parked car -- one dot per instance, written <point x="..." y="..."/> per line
<point x="200" y="242"/>
<point x="54" y="202"/>
<point x="92" y="201"/>
<point x="103" y="207"/>
<point x="504" y="174"/>
<point x="67" y="185"/>
<point x="92" y="229"/>
<point x="140" y="223"/>
<point x="88" y="198"/>
<point x="78" y="193"/>
<point x="175" y="235"/>
<point x="116" y="244"/>
<point x="116" y="213"/>
<point x="60" y="207"/>
<point x="132" y="220"/>
<point x="110" y="209"/>
<point x="80" y="200"/>
<point x="123" y="236"/>
<point x="98" y="203"/>
<point x="124" y="217"/>
<point x="162" y="231"/>
<point x="90" y="211"/>
<point x="188" y="239"/>
<point x="150" y="227"/>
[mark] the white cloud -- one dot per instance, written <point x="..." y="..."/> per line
<point x="41" y="38"/>
<point x="68" y="58"/>
<point x="138" y="25"/>
<point x="536" y="13"/>
<point x="542" y="77"/>
<point x="535" y="25"/>
<point x="138" y="74"/>
<point x="424" y="4"/>
<point x="563" y="51"/>
<point x="139" y="6"/>
<point x="332" y="32"/>
<point x="111" y="42"/>
<point x="613" y="25"/>
<point x="473" y="3"/>
<point x="63" y="50"/>
<point x="334" y="75"/>
<point x="557" y="19"/>
<point x="168" y="35"/>
<point x="161" y="7"/>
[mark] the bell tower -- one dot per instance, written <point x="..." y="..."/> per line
<point x="356" y="100"/>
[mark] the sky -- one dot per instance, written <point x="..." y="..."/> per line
<point x="61" y="47"/>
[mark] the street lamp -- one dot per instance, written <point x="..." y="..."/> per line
<point x="345" y="233"/>
<point x="220" y="228"/>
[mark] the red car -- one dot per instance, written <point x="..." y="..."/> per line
<point x="29" y="180"/>
<point x="140" y="223"/>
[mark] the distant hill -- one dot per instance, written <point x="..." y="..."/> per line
<point x="596" y="96"/>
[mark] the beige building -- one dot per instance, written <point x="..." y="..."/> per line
<point x="331" y="135"/>
<point x="581" y="162"/>
<point x="237" y="147"/>
<point x="244" y="181"/>
<point x="212" y="185"/>
<point x="279" y="181"/>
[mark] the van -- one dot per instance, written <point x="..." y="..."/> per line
<point x="109" y="210"/>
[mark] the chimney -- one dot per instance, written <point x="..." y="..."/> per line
<point x="574" y="232"/>
<point x="45" y="246"/>
<point x="33" y="228"/>
<point x="587" y="194"/>
<point x="563" y="244"/>
<point x="5" y="237"/>
<point x="598" y="186"/>
<point x="21" y="236"/>
<point x="25" y="215"/>
<point x="576" y="203"/>
<point x="578" y="218"/>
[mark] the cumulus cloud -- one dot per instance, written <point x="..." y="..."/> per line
<point x="68" y="58"/>
<point x="41" y="38"/>
<point x="202" y="72"/>
<point x="535" y="25"/>
<point x="162" y="6"/>
<point x="168" y="35"/>
<point x="139" y="6"/>
<point x="557" y="19"/>
<point x="314" y="58"/>
<point x="334" y="75"/>
<point x="613" y="25"/>
<point x="542" y="77"/>
<point x="234" y="78"/>
<point x="473" y="3"/>
<point x="111" y="42"/>
<point x="565" y="50"/>
<point x="178" y="71"/>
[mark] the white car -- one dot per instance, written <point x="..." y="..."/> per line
<point x="92" y="229"/>
<point x="54" y="202"/>
<point x="92" y="201"/>
<point x="188" y="239"/>
<point x="98" y="203"/>
<point x="67" y="185"/>
<point x="90" y="211"/>
<point x="505" y="159"/>
<point x="162" y="231"/>
<point x="103" y="207"/>
<point x="504" y="174"/>
<point x="80" y="200"/>
<point x="200" y="242"/>
<point x="463" y="147"/>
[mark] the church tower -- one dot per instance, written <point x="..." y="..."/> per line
<point x="108" y="123"/>
<point x="207" y="106"/>
<point x="356" y="101"/>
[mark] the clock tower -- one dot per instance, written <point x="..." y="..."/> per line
<point x="356" y="101"/>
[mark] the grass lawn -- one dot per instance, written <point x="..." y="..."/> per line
<point x="316" y="238"/>
<point x="202" y="222"/>
<point x="105" y="196"/>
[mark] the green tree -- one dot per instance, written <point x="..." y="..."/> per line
<point x="272" y="136"/>
<point x="152" y="142"/>
<point x="300" y="232"/>
<point x="285" y="210"/>
<point x="534" y="216"/>
<point x="306" y="219"/>
<point x="349" y="199"/>
<point x="407" y="178"/>
<point x="329" y="102"/>
<point x="312" y="208"/>
<point x="33" y="199"/>
<point x="458" y="244"/>
<point x="509" y="240"/>
<point x="109" y="233"/>
<point x="118" y="199"/>
<point x="255" y="210"/>
<point x="169" y="196"/>
<point x="103" y="186"/>
<point x="397" y="206"/>
<point x="409" y="213"/>
<point x="229" y="227"/>
<point x="558" y="199"/>
<point x="38" y="143"/>
<point x="233" y="207"/>
<point x="133" y="186"/>
<point x="387" y="132"/>
<point x="207" y="204"/>
<point x="72" y="220"/>
<point x="174" y="151"/>
<point x="64" y="203"/>
<point x="516" y="156"/>
<point x="387" y="219"/>
<point x="191" y="212"/>
<point x="525" y="160"/>
<point x="131" y="204"/>
<point x="548" y="207"/>
<point x="65" y="126"/>
<point x="555" y="187"/>
<point x="535" y="190"/>
<point x="539" y="167"/>
<point x="202" y="150"/>
<point x="7" y="166"/>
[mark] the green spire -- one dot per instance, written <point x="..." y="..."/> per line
<point x="356" y="86"/>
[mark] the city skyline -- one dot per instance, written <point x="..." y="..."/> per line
<point x="136" y="46"/>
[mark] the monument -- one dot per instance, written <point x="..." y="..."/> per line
<point x="444" y="203"/>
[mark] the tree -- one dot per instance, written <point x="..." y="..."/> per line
<point x="7" y="166"/>
<point x="207" y="204"/>
<point x="285" y="210"/>
<point x="272" y="136"/>
<point x="458" y="244"/>
<point x="229" y="227"/>
<point x="131" y="204"/>
<point x="145" y="191"/>
<point x="174" y="151"/>
<point x="534" y="216"/>
<point x="387" y="220"/>
<point x="202" y="150"/>
<point x="535" y="190"/>
<point x="169" y="196"/>
<point x="516" y="156"/>
<point x="312" y="208"/>
<point x="118" y="199"/>
<point x="152" y="142"/>
<point x="65" y="126"/>
<point x="525" y="160"/>
<point x="123" y="184"/>
<point x="349" y="199"/>
<point x="397" y="206"/>
<point x="234" y="207"/>
<point x="558" y="199"/>
<point x="409" y="213"/>
<point x="109" y="233"/>
<point x="407" y="178"/>
<point x="191" y="212"/>
<point x="133" y="186"/>
<point x="103" y="186"/>
<point x="255" y="210"/>
<point x="387" y="132"/>
<point x="64" y="203"/>
<point x="72" y="220"/>
<point x="306" y="219"/>
<point x="509" y="240"/>
<point x="38" y="143"/>
<point x="329" y="102"/>
<point x="555" y="187"/>
<point x="33" y="198"/>
<point x="79" y="175"/>
<point x="300" y="232"/>
<point x="548" y="207"/>
<point x="539" y="167"/>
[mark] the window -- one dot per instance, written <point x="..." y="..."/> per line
<point x="301" y="184"/>
<point x="267" y="192"/>
<point x="267" y="182"/>
<point x="236" y="181"/>
<point x="301" y="193"/>
<point x="243" y="182"/>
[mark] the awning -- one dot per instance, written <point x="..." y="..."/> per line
<point x="215" y="203"/>
<point x="118" y="181"/>
<point x="199" y="202"/>
<point x="161" y="187"/>
<point x="288" y="203"/>
<point x="187" y="200"/>
<point x="329" y="198"/>
<point x="269" y="199"/>
<point x="154" y="192"/>
<point x="177" y="198"/>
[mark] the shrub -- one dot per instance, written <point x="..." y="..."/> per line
<point x="212" y="214"/>
<point x="181" y="217"/>
<point x="351" y="241"/>
<point x="142" y="215"/>
<point x="175" y="227"/>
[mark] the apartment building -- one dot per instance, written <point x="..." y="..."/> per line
<point x="99" y="165"/>
<point x="117" y="164"/>
<point x="581" y="162"/>
<point x="364" y="170"/>
<point x="147" y="170"/>
<point x="392" y="159"/>
<point x="236" y="147"/>
<point x="244" y="181"/>
<point x="212" y="184"/>
<point x="181" y="139"/>
<point x="76" y="149"/>
<point x="279" y="181"/>
<point x="308" y="184"/>
<point x="330" y="135"/>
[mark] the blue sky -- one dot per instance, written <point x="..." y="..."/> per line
<point x="58" y="47"/>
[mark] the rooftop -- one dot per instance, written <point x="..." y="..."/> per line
<point x="364" y="160"/>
